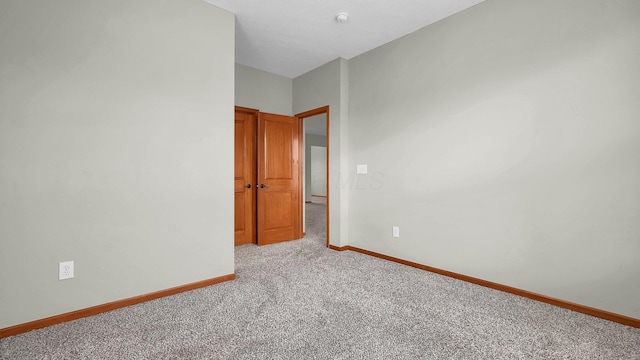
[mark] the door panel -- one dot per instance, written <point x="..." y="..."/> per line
<point x="245" y="165"/>
<point x="279" y="216"/>
<point x="240" y="212"/>
<point x="278" y="152"/>
<point x="278" y="171"/>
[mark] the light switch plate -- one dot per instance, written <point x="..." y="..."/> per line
<point x="361" y="169"/>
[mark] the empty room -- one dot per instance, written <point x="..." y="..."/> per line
<point x="426" y="179"/>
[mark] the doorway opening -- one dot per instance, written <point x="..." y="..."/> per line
<point x="315" y="170"/>
<point x="281" y="169"/>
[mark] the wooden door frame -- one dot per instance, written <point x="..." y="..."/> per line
<point x="321" y="110"/>
<point x="300" y="118"/>
<point x="254" y="217"/>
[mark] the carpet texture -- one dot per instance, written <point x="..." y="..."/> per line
<point x="299" y="300"/>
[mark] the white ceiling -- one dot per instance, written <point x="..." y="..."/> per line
<point x="291" y="37"/>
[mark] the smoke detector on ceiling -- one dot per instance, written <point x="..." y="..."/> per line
<point x="342" y="17"/>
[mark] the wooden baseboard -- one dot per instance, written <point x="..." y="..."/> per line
<point x="94" y="310"/>
<point x="603" y="314"/>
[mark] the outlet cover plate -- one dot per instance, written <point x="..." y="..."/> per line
<point x="65" y="270"/>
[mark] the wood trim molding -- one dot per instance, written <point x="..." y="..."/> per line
<point x="603" y="314"/>
<point x="317" y="111"/>
<point x="246" y="110"/>
<point x="98" y="309"/>
<point x="301" y="169"/>
<point x="328" y="182"/>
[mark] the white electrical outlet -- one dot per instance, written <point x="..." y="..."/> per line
<point x="396" y="231"/>
<point x="65" y="270"/>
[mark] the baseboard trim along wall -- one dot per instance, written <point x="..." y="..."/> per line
<point x="625" y="320"/>
<point x="98" y="309"/>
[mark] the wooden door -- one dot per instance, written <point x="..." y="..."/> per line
<point x="245" y="176"/>
<point x="279" y="208"/>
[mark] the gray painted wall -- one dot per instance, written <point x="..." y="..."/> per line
<point x="112" y="114"/>
<point x="327" y="85"/>
<point x="319" y="170"/>
<point x="316" y="125"/>
<point x="309" y="141"/>
<point x="504" y="142"/>
<point x="262" y="90"/>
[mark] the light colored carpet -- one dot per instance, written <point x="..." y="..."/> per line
<point x="299" y="300"/>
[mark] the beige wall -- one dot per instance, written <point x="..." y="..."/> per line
<point x="262" y="90"/>
<point x="111" y="116"/>
<point x="505" y="142"/>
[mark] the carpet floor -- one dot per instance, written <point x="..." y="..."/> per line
<point x="299" y="300"/>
